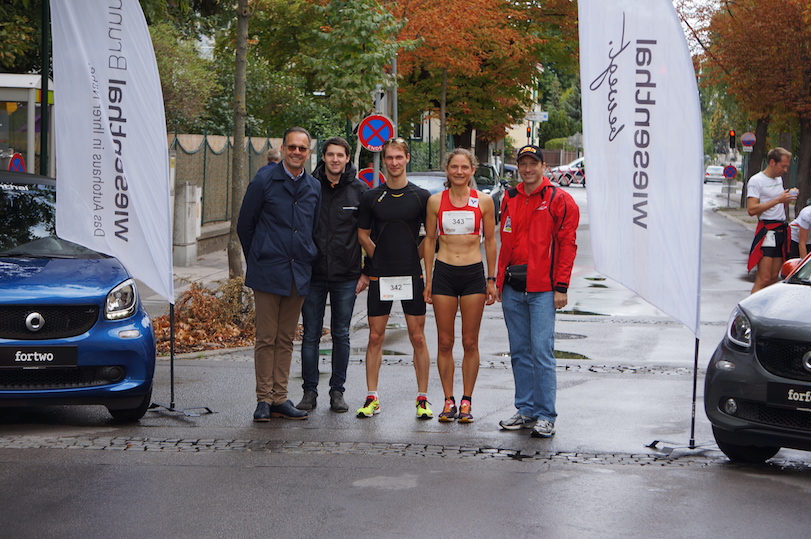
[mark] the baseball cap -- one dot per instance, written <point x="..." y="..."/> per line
<point x="531" y="150"/>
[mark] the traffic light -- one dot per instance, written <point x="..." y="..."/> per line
<point x="731" y="138"/>
<point x="529" y="134"/>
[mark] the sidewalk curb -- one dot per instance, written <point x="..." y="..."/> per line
<point x="732" y="216"/>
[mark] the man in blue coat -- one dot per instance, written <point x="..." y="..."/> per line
<point x="275" y="227"/>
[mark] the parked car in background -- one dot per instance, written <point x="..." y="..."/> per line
<point x="573" y="173"/>
<point x="510" y="171"/>
<point x="757" y="391"/>
<point x="714" y="173"/>
<point x="488" y="181"/>
<point x="486" y="178"/>
<point x="431" y="180"/>
<point x="72" y="327"/>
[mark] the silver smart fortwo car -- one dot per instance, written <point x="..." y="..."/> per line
<point x="757" y="391"/>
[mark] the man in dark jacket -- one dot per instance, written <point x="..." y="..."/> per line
<point x="336" y="271"/>
<point x="276" y="224"/>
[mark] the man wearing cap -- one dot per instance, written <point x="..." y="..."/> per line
<point x="538" y="232"/>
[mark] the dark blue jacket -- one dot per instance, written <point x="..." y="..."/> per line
<point x="276" y="225"/>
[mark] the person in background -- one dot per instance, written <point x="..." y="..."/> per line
<point x="276" y="224"/>
<point x="456" y="281"/>
<point x="799" y="233"/>
<point x="767" y="199"/>
<point x="336" y="272"/>
<point x="273" y="157"/>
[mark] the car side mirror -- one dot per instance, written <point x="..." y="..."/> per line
<point x="789" y="266"/>
<point x="504" y="183"/>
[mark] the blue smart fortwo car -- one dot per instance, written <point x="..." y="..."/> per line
<point x="72" y="327"/>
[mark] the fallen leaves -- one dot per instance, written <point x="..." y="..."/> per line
<point x="208" y="319"/>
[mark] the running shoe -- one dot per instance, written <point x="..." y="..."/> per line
<point x="370" y="407"/>
<point x="423" y="412"/>
<point x="464" y="412"/>
<point x="449" y="412"/>
<point x="518" y="421"/>
<point x="544" y="429"/>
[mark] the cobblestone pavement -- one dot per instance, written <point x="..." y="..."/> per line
<point x="680" y="457"/>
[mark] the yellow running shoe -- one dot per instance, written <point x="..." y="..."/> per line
<point x="423" y="412"/>
<point x="370" y="407"/>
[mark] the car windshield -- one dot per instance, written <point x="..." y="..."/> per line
<point x="577" y="163"/>
<point x="28" y="214"/>
<point x="804" y="273"/>
<point x="485" y="176"/>
<point x="715" y="170"/>
<point x="433" y="184"/>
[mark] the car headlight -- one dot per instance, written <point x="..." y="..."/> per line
<point x="739" y="329"/>
<point x="121" y="301"/>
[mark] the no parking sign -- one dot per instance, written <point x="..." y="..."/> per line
<point x="368" y="175"/>
<point x="16" y="163"/>
<point x="374" y="131"/>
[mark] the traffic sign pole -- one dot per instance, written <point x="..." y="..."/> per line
<point x="376" y="160"/>
<point x="730" y="175"/>
<point x="373" y="132"/>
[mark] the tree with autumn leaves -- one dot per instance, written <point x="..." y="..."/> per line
<point x="761" y="51"/>
<point x="472" y="64"/>
<point x="475" y="68"/>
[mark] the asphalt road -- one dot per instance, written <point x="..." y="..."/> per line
<point x="620" y="465"/>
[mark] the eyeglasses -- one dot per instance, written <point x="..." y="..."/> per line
<point x="396" y="140"/>
<point x="292" y="148"/>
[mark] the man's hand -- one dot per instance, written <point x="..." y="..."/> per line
<point x="561" y="299"/>
<point x="363" y="284"/>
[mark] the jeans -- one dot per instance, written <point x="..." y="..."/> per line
<point x="530" y="319"/>
<point x="342" y="302"/>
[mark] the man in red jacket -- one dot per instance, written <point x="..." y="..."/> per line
<point x="538" y="232"/>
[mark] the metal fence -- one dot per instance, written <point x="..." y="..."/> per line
<point x="205" y="161"/>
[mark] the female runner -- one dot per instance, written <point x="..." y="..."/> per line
<point x="459" y="216"/>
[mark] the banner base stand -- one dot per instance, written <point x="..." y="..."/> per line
<point x="668" y="449"/>
<point x="155" y="407"/>
<point x="195" y="411"/>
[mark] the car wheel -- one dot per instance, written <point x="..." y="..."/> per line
<point x="131" y="415"/>
<point x="751" y="454"/>
<point x="565" y="180"/>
